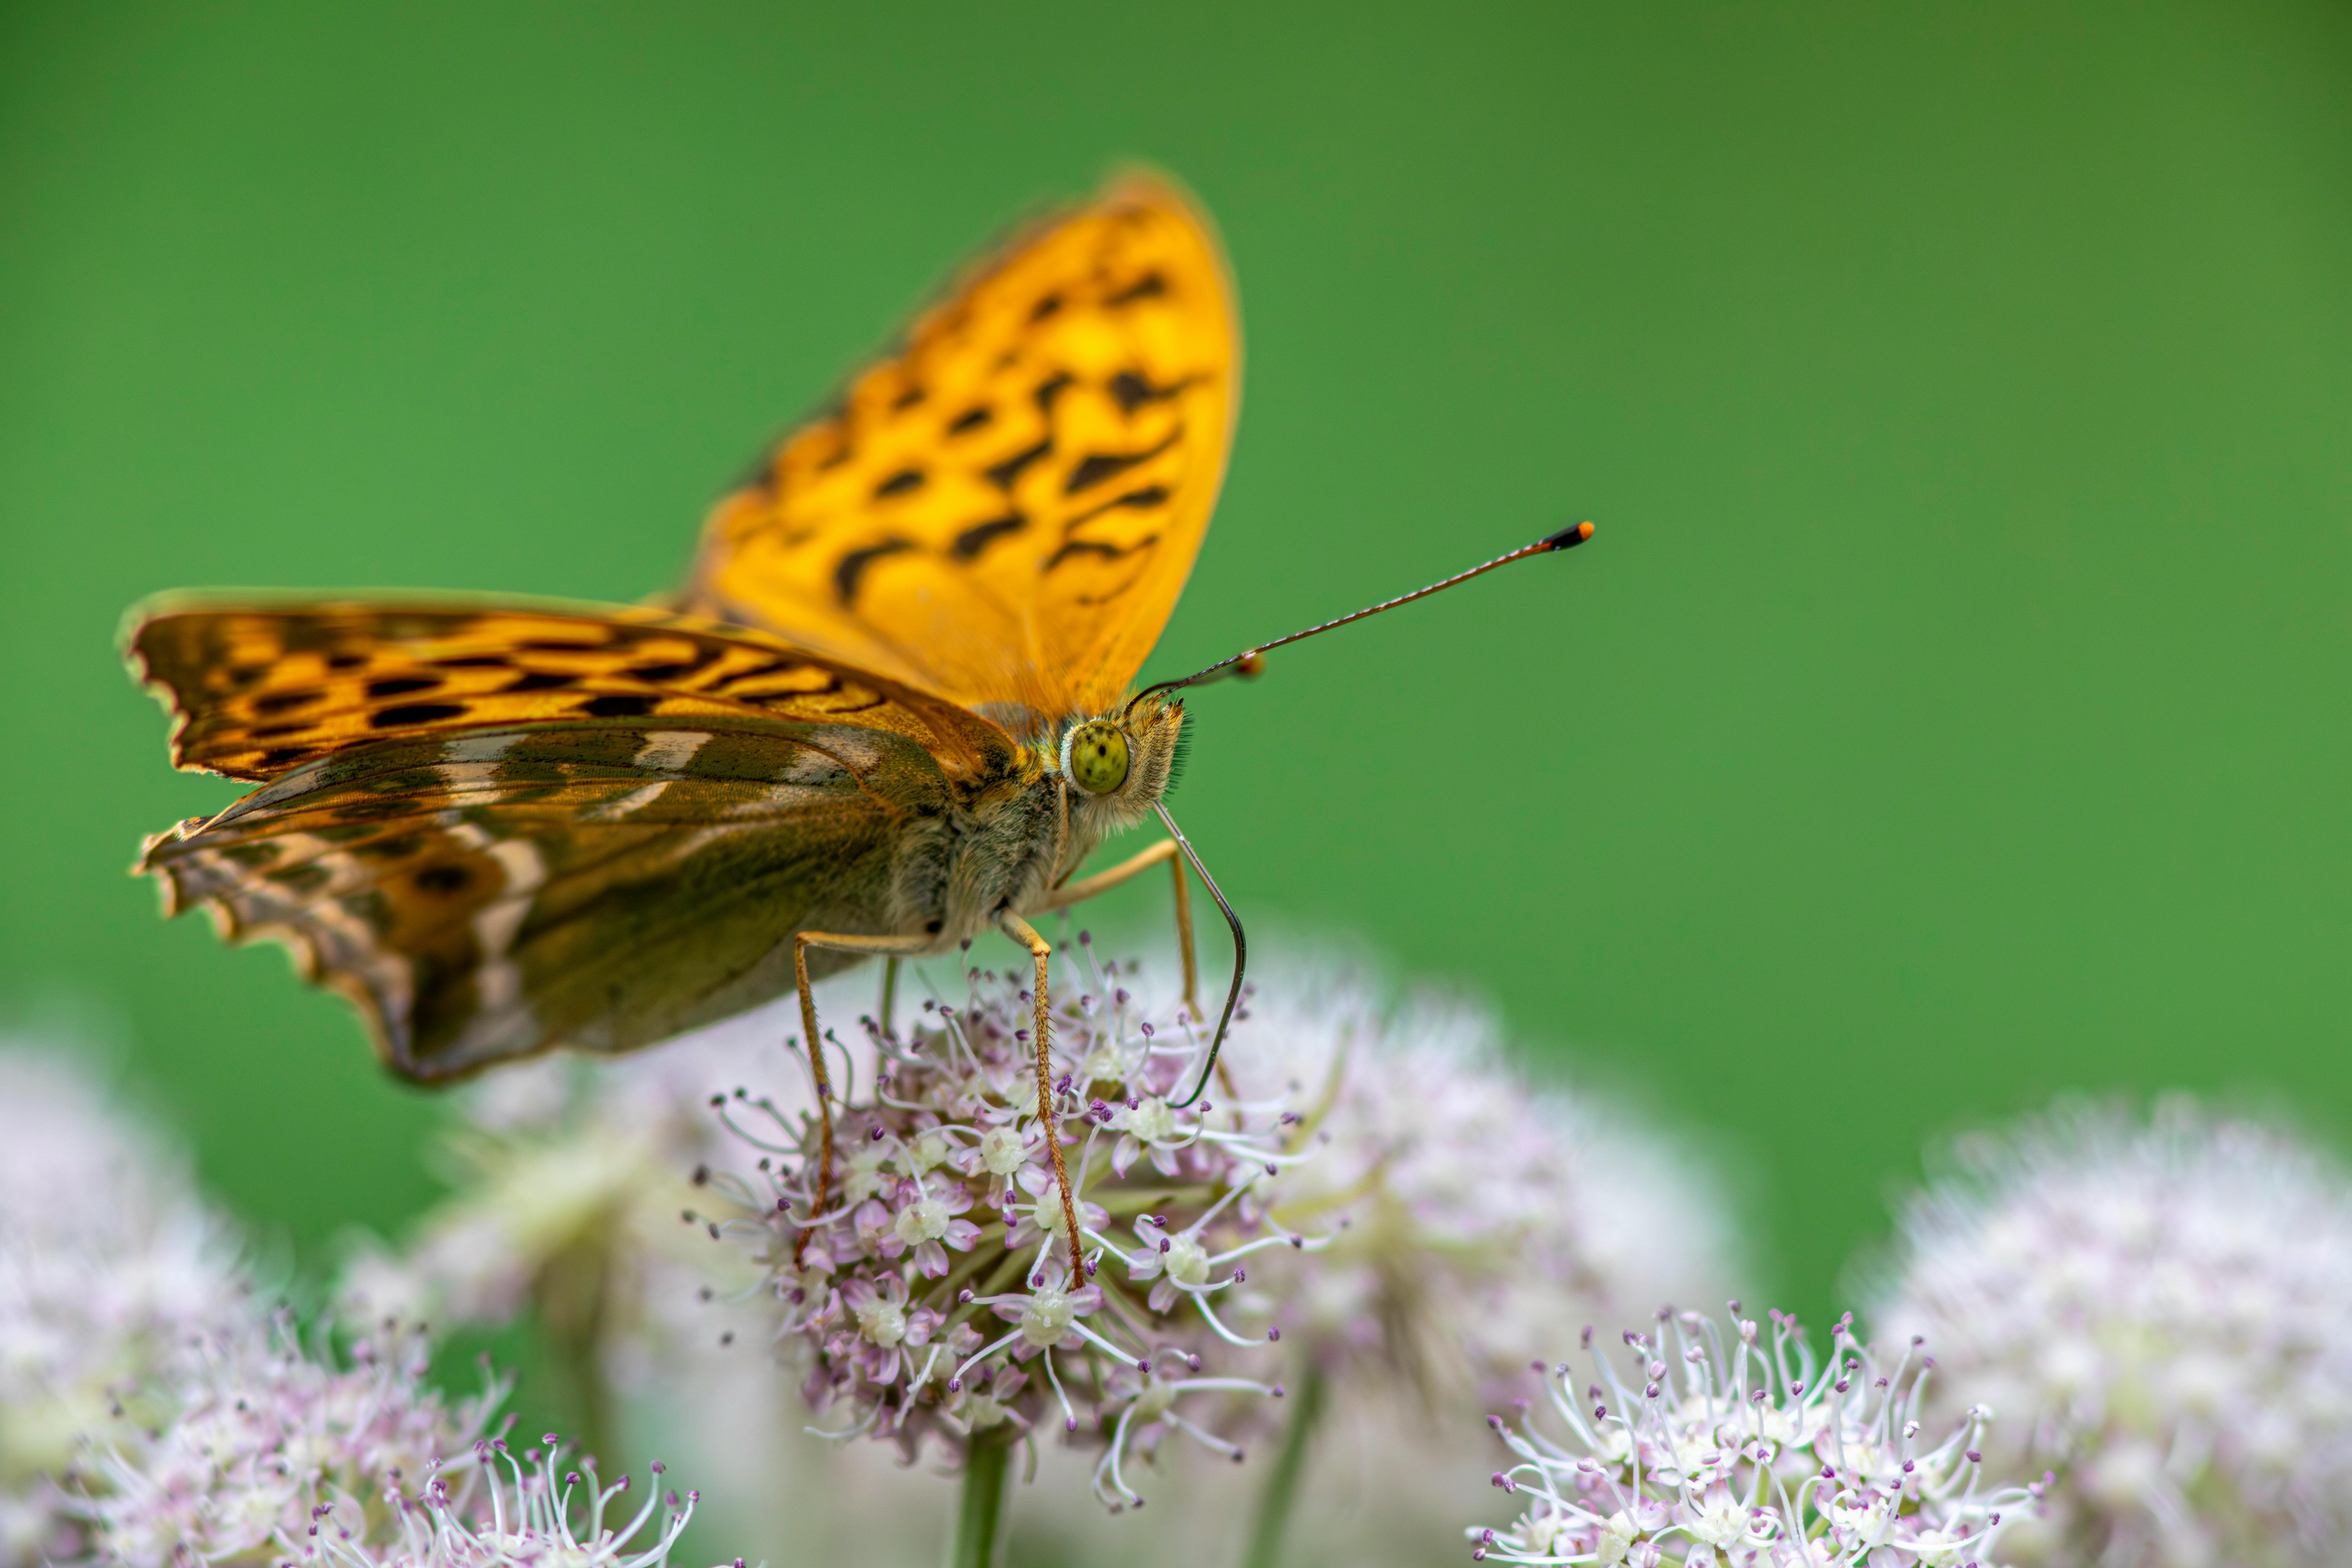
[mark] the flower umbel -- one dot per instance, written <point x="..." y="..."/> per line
<point x="1477" y="1209"/>
<point x="934" y="1295"/>
<point x="271" y="1449"/>
<point x="2165" y="1307"/>
<point x="109" y="1268"/>
<point x="1712" y="1442"/>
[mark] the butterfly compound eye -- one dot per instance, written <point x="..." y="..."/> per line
<point x="1099" y="757"/>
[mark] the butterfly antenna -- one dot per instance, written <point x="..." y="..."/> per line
<point x="1250" y="661"/>
<point x="1240" y="953"/>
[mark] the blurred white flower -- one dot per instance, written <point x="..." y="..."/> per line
<point x="568" y="1179"/>
<point x="109" y="1267"/>
<point x="2162" y="1311"/>
<point x="1479" y="1212"/>
<point x="1706" y="1441"/>
<point x="266" y="1448"/>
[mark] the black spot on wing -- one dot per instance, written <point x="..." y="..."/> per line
<point x="670" y="669"/>
<point x="399" y="847"/>
<point x="1045" y="306"/>
<point x="414" y="713"/>
<point x="1139" y="499"/>
<point x="1004" y="473"/>
<point x="980" y="536"/>
<point x="618" y="705"/>
<point x="401" y="685"/>
<point x="853" y="566"/>
<point x="970" y="419"/>
<point x="306" y="878"/>
<point x="472" y="661"/>
<point x="286" y="701"/>
<point x="1131" y="390"/>
<point x="1097" y="467"/>
<point x="1150" y="286"/>
<point x="280" y="756"/>
<point x="539" y="680"/>
<point x="1052" y="387"/>
<point x="899" y="483"/>
<point x="448" y="878"/>
<point x="1096" y="548"/>
<point x="344" y="661"/>
<point x="908" y="398"/>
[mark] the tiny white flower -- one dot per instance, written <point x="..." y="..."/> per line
<point x="1617" y="1533"/>
<point x="1047" y="1316"/>
<point x="928" y="1151"/>
<point x="925" y="1219"/>
<point x="882" y="1320"/>
<point x="1003" y="1150"/>
<point x="1149" y="1123"/>
<point x="1185" y="1260"/>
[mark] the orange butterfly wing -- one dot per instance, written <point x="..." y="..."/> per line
<point x="1006" y="510"/>
<point x="261" y="688"/>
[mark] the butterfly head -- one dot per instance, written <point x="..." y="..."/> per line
<point x="1119" y="765"/>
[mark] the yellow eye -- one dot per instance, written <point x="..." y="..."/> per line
<point x="1099" y="757"/>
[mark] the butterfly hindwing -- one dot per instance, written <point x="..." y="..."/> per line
<point x="1006" y="510"/>
<point x="488" y="895"/>
<point x="262" y="690"/>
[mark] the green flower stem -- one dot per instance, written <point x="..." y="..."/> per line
<point x="1280" y="1499"/>
<point x="572" y="1296"/>
<point x="978" y="1541"/>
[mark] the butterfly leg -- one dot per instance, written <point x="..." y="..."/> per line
<point x="1126" y="870"/>
<point x="1040" y="950"/>
<point x="892" y="946"/>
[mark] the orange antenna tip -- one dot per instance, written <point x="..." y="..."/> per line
<point x="1570" y="538"/>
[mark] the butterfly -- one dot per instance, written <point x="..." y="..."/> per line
<point x="890" y="709"/>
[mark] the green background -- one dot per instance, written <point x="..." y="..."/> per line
<point x="1951" y="710"/>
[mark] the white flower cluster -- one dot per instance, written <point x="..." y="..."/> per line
<point x="268" y="1449"/>
<point x="1479" y="1212"/>
<point x="922" y="1263"/>
<point x="1714" y="1447"/>
<point x="108" y="1270"/>
<point x="152" y="1412"/>
<point x="2162" y="1310"/>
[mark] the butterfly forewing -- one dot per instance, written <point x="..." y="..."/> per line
<point x="1007" y="510"/>
<point x="499" y="827"/>
<point x="261" y="690"/>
